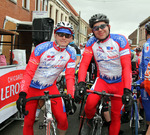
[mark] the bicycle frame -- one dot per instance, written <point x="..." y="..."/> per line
<point x="134" y="121"/>
<point x="49" y="120"/>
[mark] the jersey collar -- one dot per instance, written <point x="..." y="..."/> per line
<point x="58" y="48"/>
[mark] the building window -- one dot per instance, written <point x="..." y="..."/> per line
<point x="50" y="14"/>
<point x="14" y="1"/>
<point x="26" y="4"/>
<point x="66" y="19"/>
<point x="61" y="16"/>
<point x="44" y="5"/>
<point x="56" y="20"/>
<point x="37" y="5"/>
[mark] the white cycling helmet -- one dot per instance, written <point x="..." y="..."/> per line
<point x="82" y="44"/>
<point x="65" y="25"/>
<point x="90" y="35"/>
<point x="129" y="41"/>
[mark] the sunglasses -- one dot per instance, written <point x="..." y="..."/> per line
<point x="102" y="26"/>
<point x="63" y="34"/>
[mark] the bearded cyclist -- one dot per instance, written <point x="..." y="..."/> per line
<point x="46" y="62"/>
<point x="113" y="59"/>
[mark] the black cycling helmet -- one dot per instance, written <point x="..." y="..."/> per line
<point x="98" y="18"/>
<point x="138" y="49"/>
<point x="147" y="26"/>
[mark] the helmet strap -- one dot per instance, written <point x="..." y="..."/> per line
<point x="61" y="47"/>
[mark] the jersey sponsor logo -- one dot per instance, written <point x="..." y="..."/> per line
<point x="124" y="52"/>
<point x="50" y="58"/>
<point x="33" y="60"/>
<point x="100" y="49"/>
<point x="71" y="65"/>
<point x="113" y="57"/>
<point x="109" y="48"/>
<point x="42" y="48"/>
<point x="120" y="39"/>
<point x="61" y="58"/>
<point x="51" y="66"/>
<point x="146" y="47"/>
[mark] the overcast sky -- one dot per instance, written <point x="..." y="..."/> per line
<point x="124" y="15"/>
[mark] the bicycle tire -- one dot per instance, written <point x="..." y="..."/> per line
<point x="82" y="119"/>
<point x="97" y="127"/>
<point x="82" y="106"/>
<point x="50" y="129"/>
<point x="134" y="120"/>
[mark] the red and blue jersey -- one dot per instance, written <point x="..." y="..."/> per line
<point x="46" y="62"/>
<point x="112" y="57"/>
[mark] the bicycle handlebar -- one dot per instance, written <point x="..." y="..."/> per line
<point x="103" y="93"/>
<point x="46" y="97"/>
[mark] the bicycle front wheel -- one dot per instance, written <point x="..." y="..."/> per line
<point x="134" y="120"/>
<point x="50" y="128"/>
<point x="97" y="128"/>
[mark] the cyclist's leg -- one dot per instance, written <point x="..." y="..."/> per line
<point x="116" y="104"/>
<point x="30" y="118"/>
<point x="58" y="110"/>
<point x="92" y="99"/>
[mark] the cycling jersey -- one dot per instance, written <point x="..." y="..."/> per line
<point x="142" y="68"/>
<point x="47" y="61"/>
<point x="112" y="57"/>
<point x="78" y="52"/>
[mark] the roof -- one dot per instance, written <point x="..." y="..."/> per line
<point x="70" y="7"/>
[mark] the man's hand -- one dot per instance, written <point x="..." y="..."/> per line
<point x="21" y="102"/>
<point x="125" y="117"/>
<point x="70" y="105"/>
<point x="127" y="99"/>
<point x="80" y="91"/>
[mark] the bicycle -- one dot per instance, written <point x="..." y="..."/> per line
<point x="83" y="101"/>
<point x="134" y="120"/>
<point x="98" y="118"/>
<point x="49" y="120"/>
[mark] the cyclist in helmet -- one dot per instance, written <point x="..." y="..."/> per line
<point x="77" y="50"/>
<point x="144" y="83"/>
<point x="113" y="59"/>
<point x="138" y="51"/>
<point x="90" y="35"/>
<point x="46" y="62"/>
<point x="82" y="47"/>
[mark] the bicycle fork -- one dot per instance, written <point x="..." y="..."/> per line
<point x="48" y="116"/>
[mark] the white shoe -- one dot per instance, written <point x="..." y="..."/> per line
<point x="140" y="117"/>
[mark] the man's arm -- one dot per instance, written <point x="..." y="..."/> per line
<point x="86" y="59"/>
<point x="29" y="72"/>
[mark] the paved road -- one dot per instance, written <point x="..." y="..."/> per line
<point x="15" y="128"/>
